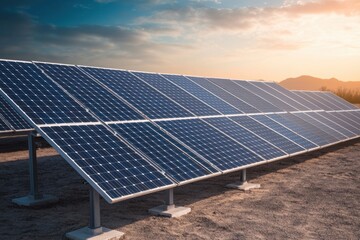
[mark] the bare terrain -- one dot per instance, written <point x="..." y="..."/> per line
<point x="312" y="196"/>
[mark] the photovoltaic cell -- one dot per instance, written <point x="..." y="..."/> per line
<point x="13" y="118"/>
<point x="268" y="134"/>
<point x="304" y="128"/>
<point x="314" y="99"/>
<point x="38" y="96"/>
<point x="327" y="119"/>
<point x="280" y="95"/>
<point x="237" y="89"/>
<point x="308" y="118"/>
<point x="318" y="96"/>
<point x="349" y="123"/>
<point x="216" y="147"/>
<point x="224" y="95"/>
<point x="247" y="138"/>
<point x="180" y="96"/>
<point x="106" y="161"/>
<point x="139" y="94"/>
<point x="203" y="94"/>
<point x="3" y="126"/>
<point x="95" y="97"/>
<point x="277" y="127"/>
<point x="327" y="98"/>
<point x="164" y="152"/>
<point x="260" y="91"/>
<point x="342" y="101"/>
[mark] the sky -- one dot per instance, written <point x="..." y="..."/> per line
<point x="240" y="39"/>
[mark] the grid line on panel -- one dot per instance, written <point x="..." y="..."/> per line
<point x="4" y="126"/>
<point x="279" y="95"/>
<point x="37" y="96"/>
<point x="144" y="98"/>
<point x="242" y="93"/>
<point x="326" y="98"/>
<point x="202" y="94"/>
<point x="303" y="99"/>
<point x="107" y="162"/>
<point x="224" y="95"/>
<point x="267" y="133"/>
<point x="277" y="127"/>
<point x="350" y="124"/>
<point x="167" y="154"/>
<point x="93" y="96"/>
<point x="323" y="101"/>
<point x="246" y="137"/>
<point x="263" y="93"/>
<point x="178" y="95"/>
<point x="222" y="151"/>
<point x="313" y="99"/>
<point x="303" y="128"/>
<point x="14" y="119"/>
<point x="317" y="123"/>
<point x="334" y="97"/>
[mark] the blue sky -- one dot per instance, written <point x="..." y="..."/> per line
<point x="244" y="39"/>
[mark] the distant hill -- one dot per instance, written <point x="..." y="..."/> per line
<point x="312" y="83"/>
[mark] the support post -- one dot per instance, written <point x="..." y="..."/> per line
<point x="169" y="209"/>
<point x="34" y="198"/>
<point x="94" y="231"/>
<point x="243" y="184"/>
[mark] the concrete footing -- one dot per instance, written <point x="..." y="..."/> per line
<point x="30" y="201"/>
<point x="244" y="186"/>
<point x="100" y="233"/>
<point x="169" y="211"/>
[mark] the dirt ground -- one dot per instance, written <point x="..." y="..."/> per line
<point x="312" y="196"/>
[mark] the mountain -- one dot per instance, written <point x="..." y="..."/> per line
<point x="312" y="83"/>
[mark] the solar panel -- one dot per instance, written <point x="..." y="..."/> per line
<point x="106" y="162"/>
<point x="95" y="97"/>
<point x="318" y="96"/>
<point x="327" y="98"/>
<point x="224" y="95"/>
<point x="3" y="126"/>
<point x="165" y="152"/>
<point x="280" y="95"/>
<point x="41" y="99"/>
<point x="261" y="91"/>
<point x="216" y="147"/>
<point x="278" y="140"/>
<point x="338" y="99"/>
<point x="203" y="94"/>
<point x="146" y="99"/>
<point x="312" y="119"/>
<point x="12" y="117"/>
<point x="304" y="128"/>
<point x="180" y="96"/>
<point x="236" y="88"/>
<point x="247" y="138"/>
<point x="277" y="127"/>
<point x="315" y="100"/>
<point x="351" y="124"/>
<point x="327" y="119"/>
<point x="304" y="100"/>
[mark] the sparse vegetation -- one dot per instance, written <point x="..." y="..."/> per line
<point x="350" y="95"/>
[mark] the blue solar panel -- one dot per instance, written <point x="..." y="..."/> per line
<point x="314" y="100"/>
<point x="139" y="94"/>
<point x="160" y="149"/>
<point x="355" y="115"/>
<point x="277" y="127"/>
<point x="328" y="119"/>
<point x="242" y="93"/>
<point x="12" y="117"/>
<point x="327" y="98"/>
<point x="3" y="126"/>
<point x="310" y="119"/>
<point x="303" y="128"/>
<point x="41" y="99"/>
<point x="106" y="161"/>
<point x="180" y="96"/>
<point x="348" y="122"/>
<point x="318" y="96"/>
<point x="268" y="134"/>
<point x="247" y="138"/>
<point x="258" y="89"/>
<point x="216" y="147"/>
<point x="266" y="86"/>
<point x="346" y="105"/>
<point x="100" y="101"/>
<point x="203" y="94"/>
<point x="224" y="95"/>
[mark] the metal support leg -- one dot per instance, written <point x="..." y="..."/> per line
<point x="169" y="209"/>
<point x="94" y="231"/>
<point x="243" y="184"/>
<point x="35" y="198"/>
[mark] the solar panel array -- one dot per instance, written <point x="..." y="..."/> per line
<point x="132" y="133"/>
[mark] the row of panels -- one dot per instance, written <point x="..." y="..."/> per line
<point x="98" y="120"/>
